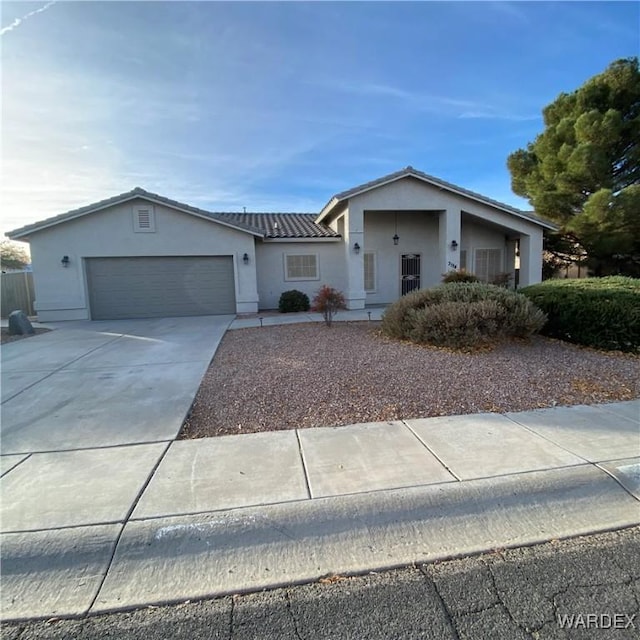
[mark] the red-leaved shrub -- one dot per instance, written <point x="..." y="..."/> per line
<point x="328" y="301"/>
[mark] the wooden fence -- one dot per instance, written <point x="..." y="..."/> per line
<point x="16" y="292"/>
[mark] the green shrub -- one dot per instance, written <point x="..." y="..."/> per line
<point x="459" y="276"/>
<point x="328" y="301"/>
<point x="502" y="279"/>
<point x="452" y="324"/>
<point x="292" y="301"/>
<point x="597" y="312"/>
<point x="396" y="321"/>
<point x="462" y="315"/>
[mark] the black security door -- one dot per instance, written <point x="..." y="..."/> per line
<point x="410" y="273"/>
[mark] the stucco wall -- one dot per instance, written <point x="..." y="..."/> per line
<point x="413" y="194"/>
<point x="61" y="293"/>
<point x="475" y="235"/>
<point x="418" y="233"/>
<point x="271" y="269"/>
<point x="481" y="226"/>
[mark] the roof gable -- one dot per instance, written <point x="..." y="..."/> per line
<point x="134" y="194"/>
<point x="410" y="172"/>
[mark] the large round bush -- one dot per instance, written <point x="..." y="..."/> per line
<point x="462" y="315"/>
<point x="597" y="312"/>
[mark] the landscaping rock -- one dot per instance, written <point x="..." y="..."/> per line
<point x="19" y="324"/>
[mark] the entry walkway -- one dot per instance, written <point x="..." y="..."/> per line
<point x="271" y="318"/>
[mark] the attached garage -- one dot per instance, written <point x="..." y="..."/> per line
<point x="162" y="286"/>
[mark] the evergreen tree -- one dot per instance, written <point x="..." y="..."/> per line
<point x="583" y="170"/>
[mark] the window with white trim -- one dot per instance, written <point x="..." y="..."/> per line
<point x="301" y="267"/>
<point x="488" y="264"/>
<point x="463" y="259"/>
<point x="369" y="271"/>
<point x="144" y="220"/>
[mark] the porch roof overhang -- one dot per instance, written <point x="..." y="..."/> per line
<point x="410" y="172"/>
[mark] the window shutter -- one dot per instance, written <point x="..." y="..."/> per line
<point x="488" y="264"/>
<point x="481" y="264"/>
<point x="301" y="267"/>
<point x="494" y="266"/>
<point x="369" y="272"/>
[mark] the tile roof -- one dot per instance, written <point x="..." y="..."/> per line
<point x="270" y="225"/>
<point x="409" y="171"/>
<point x="283" y="225"/>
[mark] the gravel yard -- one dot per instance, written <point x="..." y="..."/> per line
<point x="308" y="375"/>
<point x="6" y="337"/>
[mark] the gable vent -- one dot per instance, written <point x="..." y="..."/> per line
<point x="144" y="219"/>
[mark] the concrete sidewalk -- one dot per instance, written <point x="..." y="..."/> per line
<point x="95" y="530"/>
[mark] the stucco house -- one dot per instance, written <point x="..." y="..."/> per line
<point x="140" y="254"/>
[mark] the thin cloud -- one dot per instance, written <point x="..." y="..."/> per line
<point x="509" y="9"/>
<point x="442" y="105"/>
<point x="380" y="90"/>
<point x="18" y="21"/>
<point x="496" y="115"/>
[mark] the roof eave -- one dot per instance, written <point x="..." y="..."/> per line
<point x="424" y="178"/>
<point x="28" y="230"/>
<point x="268" y="239"/>
<point x="326" y="210"/>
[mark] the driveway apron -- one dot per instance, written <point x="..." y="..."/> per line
<point x="103" y="384"/>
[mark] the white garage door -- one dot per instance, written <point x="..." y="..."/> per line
<point x="160" y="286"/>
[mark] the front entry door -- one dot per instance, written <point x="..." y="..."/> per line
<point x="410" y="273"/>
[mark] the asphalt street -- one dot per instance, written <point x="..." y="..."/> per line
<point x="585" y="587"/>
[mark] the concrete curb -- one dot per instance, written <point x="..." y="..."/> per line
<point x="168" y="560"/>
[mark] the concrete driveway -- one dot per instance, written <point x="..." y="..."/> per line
<point x="102" y="384"/>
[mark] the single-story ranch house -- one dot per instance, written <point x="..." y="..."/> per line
<point x="140" y="255"/>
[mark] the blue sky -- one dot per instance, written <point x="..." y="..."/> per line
<point x="277" y="106"/>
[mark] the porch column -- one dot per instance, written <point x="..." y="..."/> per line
<point x="510" y="262"/>
<point x="354" y="232"/>
<point x="449" y="232"/>
<point x="530" y="259"/>
<point x="245" y="276"/>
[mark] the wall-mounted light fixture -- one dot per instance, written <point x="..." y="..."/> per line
<point x="245" y="258"/>
<point x="454" y="245"/>
<point x="356" y="248"/>
<point x="65" y="261"/>
<point x="396" y="238"/>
